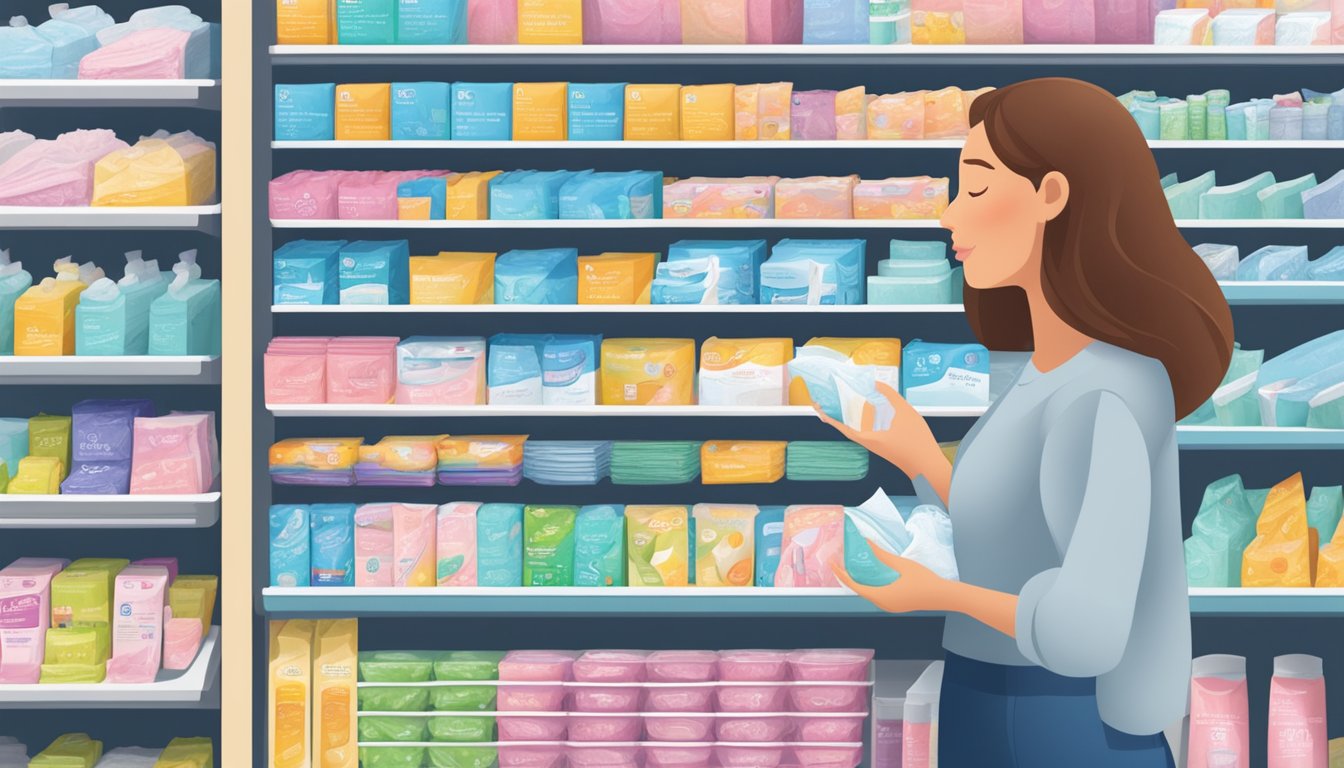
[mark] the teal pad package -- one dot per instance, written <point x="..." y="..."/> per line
<point x="529" y="195"/>
<point x="499" y="544"/>
<point x="305" y="112"/>
<point x="1183" y="196"/>
<point x="619" y="195"/>
<point x="375" y="272"/>
<point x="332" y="547"/>
<point x="882" y="525"/>
<point x="596" y="111"/>
<point x="769" y="544"/>
<point x="1324" y="509"/>
<point x="290" y="528"/>
<point x="306" y="272"/>
<point x="1284" y="199"/>
<point x="599" y="546"/>
<point x="421" y="112"/>
<point x="482" y="111"/>
<point x="1329" y="267"/>
<point x="548" y="276"/>
<point x="186" y="319"/>
<point x="366" y="22"/>
<point x="945" y="374"/>
<point x="1235" y="402"/>
<point x="1297" y="363"/>
<point x="1294" y="403"/>
<point x="1235" y="201"/>
<point x="431" y="22"/>
<point x="738" y="266"/>
<point x="1222" y="529"/>
<point x="14" y="282"/>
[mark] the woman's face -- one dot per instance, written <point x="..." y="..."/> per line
<point x="998" y="218"/>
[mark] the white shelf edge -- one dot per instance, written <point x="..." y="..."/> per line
<point x="590" y="224"/>
<point x="96" y="369"/>
<point x="131" y="91"/>
<point x="109" y="512"/>
<point x="191" y="688"/>
<point x="88" y="217"/>
<point x="615" y="309"/>
<point x="415" y="411"/>
<point x="1193" y="51"/>
<point x="852" y="144"/>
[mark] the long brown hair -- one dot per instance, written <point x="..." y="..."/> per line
<point x="1114" y="265"/>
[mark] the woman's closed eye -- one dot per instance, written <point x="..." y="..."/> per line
<point x="977" y="194"/>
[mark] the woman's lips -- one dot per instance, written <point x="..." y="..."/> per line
<point x="962" y="253"/>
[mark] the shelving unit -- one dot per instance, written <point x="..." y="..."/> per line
<point x="913" y="144"/>
<point x="76" y="513"/>
<point x="201" y="94"/>
<point x="200" y="217"/>
<point x="575" y="411"/>
<point x="1058" y="54"/>
<point x="86" y="370"/>
<point x="752" y="224"/>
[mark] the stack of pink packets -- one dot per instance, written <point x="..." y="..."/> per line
<point x="175" y="454"/>
<point x="345" y="369"/>
<point x="365" y="195"/>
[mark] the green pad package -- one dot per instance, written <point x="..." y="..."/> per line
<point x="468" y="665"/>
<point x="462" y="698"/>
<point x="394" y="699"/>
<point x="391" y="757"/>
<point x="599" y="547"/>
<point x="463" y="757"/>
<point x="397" y="666"/>
<point x="393" y="729"/>
<point x="462" y="730"/>
<point x="548" y="546"/>
<point x="50" y="436"/>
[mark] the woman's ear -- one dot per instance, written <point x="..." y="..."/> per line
<point x="1053" y="195"/>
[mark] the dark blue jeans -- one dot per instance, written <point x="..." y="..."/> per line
<point x="993" y="716"/>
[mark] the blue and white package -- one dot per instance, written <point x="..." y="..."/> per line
<point x="1325" y="200"/>
<point x="482" y="111"/>
<point x="431" y="188"/>
<point x="69" y="43"/>
<point x="431" y="22"/>
<point x="421" y="111"/>
<point x="305" y="112"/>
<point x="787" y="277"/>
<point x="689" y="281"/>
<point x="548" y="276"/>
<point x="769" y="543"/>
<point x="332" y="547"/>
<point x="499" y="545"/>
<point x="375" y="272"/>
<point x="596" y="111"/>
<point x="619" y="195"/>
<point x="569" y="370"/>
<point x="842" y="389"/>
<point x="835" y="22"/>
<point x="306" y="272"/>
<point x="1329" y="266"/>
<point x="1300" y="362"/>
<point x="513" y="368"/>
<point x="1275" y="262"/>
<point x="529" y="195"/>
<point x="884" y="526"/>
<point x="953" y="375"/>
<point x="290" y="563"/>
<point x="738" y="263"/>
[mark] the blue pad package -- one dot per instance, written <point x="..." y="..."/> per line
<point x="305" y="112"/>
<point x="420" y="112"/>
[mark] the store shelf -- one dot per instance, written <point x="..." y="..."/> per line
<point x="203" y="94"/>
<point x="921" y="144"/>
<point x="205" y="217"/>
<point x="1284" y="293"/>
<point x="109" y="512"/>
<point x="91" y="370"/>
<point x="1260" y="438"/>
<point x="195" y="688"/>
<point x="694" y="601"/>
<point x="424" y="411"/>
<point x="623" y="224"/>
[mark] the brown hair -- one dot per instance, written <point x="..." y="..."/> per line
<point x="1114" y="265"/>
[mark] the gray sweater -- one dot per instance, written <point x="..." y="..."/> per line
<point x="1066" y="493"/>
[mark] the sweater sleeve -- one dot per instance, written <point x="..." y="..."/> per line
<point x="1096" y="482"/>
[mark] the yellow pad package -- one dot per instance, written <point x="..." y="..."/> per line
<point x="884" y="354"/>
<point x="707" y="112"/>
<point x="37" y="476"/>
<point x="774" y="116"/>
<point x="364" y="112"/>
<point x="469" y="196"/>
<point x="746" y="103"/>
<point x="725" y="549"/>
<point x="550" y="22"/>
<point x="288" y="724"/>
<point x="44" y="318"/>
<point x="303" y="22"/>
<point x="197" y="752"/>
<point x="193" y="597"/>
<point x="851" y="114"/>
<point x="540" y="111"/>
<point x="162" y="170"/>
<point x="73" y="750"/>
<point x="1284" y="551"/>
<point x="651" y="112"/>
<point x="738" y="372"/>
<point x="657" y="545"/>
<point x="453" y="277"/>
<point x="648" y="372"/>
<point x="616" y="278"/>
<point x="335" y="740"/>
<point x="742" y="462"/>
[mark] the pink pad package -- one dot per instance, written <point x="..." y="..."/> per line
<point x="538" y="666"/>
<point x="680" y="699"/>
<point x="492" y="22"/>
<point x="610" y="667"/>
<point x="531" y="698"/>
<point x="532" y="728"/>
<point x="752" y="698"/>
<point x="173" y="455"/>
<point x="456" y="542"/>
<point x="1058" y="21"/>
<point x="362" y="369"/>
<point x="149" y="54"/>
<point x="531" y="755"/>
<point x="828" y="698"/>
<point x="827" y="756"/>
<point x="994" y="22"/>
<point x="752" y="666"/>
<point x="607" y="698"/>
<point x="1124" y="22"/>
<point x="141" y="597"/>
<point x="831" y="665"/>
<point x="919" y="197"/>
<point x="813" y="540"/>
<point x="308" y="195"/>
<point x="25" y="616"/>
<point x="678" y="755"/>
<point x="777" y="22"/>
<point x="680" y="728"/>
<point x="167" y="562"/>
<point x="841" y="728"/>
<point x="604" y="756"/>
<point x="57" y="172"/>
<point x="181" y="642"/>
<point x="296" y="370"/>
<point x="374" y="547"/>
<point x="756" y="756"/>
<point x="753" y="729"/>
<point x="683" y="666"/>
<point x="751" y="197"/>
<point x="372" y="195"/>
<point x="815" y="197"/>
<point x="631" y="22"/>
<point x="606" y="728"/>
<point x="812" y="116"/>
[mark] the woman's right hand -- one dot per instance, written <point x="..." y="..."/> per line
<point x="907" y="443"/>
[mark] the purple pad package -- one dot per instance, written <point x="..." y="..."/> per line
<point x="103" y="430"/>
<point x="812" y="116"/>
<point x="98" y="478"/>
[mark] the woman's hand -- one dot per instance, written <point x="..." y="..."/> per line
<point x="918" y="588"/>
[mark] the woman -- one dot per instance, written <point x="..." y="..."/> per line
<point x="1068" y="638"/>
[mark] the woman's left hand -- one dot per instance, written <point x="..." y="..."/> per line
<point x="917" y="589"/>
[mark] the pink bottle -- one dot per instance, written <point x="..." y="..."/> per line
<point x="919" y="735"/>
<point x="1058" y="21"/>
<point x="1219" y="722"/>
<point x="1297" y="737"/>
<point x="631" y="22"/>
<point x="993" y="22"/>
<point x="492" y="22"/>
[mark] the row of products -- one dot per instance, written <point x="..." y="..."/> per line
<point x="612" y="112"/>
<point x="1260" y="197"/>
<point x="1300" y="115"/>
<point x="1220" y="724"/>
<point x="587" y="195"/>
<point x="740" y="22"/>
<point x="109" y="447"/>
<point x="1299" y="388"/>
<point x="469" y="544"/>
<point x="1267" y="538"/>
<point x="82" y="168"/>
<point x="1243" y="26"/>
<point x="164" y="43"/>
<point x="80" y="311"/>
<point x="332" y="272"/>
<point x="97" y="619"/>
<point x="77" y="750"/>
<point x="1272" y="263"/>
<point x="561" y="370"/>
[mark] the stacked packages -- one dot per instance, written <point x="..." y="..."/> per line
<point x="1259" y="197"/>
<point x="1210" y="116"/>
<point x="399" y="461"/>
<point x="74" y="636"/>
<point x="164" y="43"/>
<point x="1272" y="263"/>
<point x="1245" y="24"/>
<point x="77" y="750"/>
<point x="1299" y="388"/>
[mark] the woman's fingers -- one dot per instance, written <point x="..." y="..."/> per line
<point x="890" y="393"/>
<point x="840" y="426"/>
